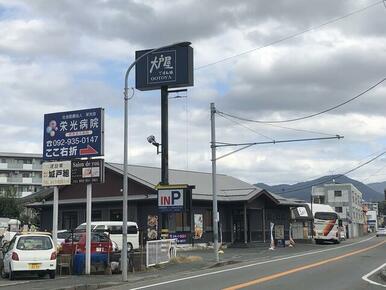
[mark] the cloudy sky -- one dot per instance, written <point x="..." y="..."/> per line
<point x="64" y="55"/>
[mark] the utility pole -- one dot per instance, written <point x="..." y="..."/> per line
<point x="214" y="179"/>
<point x="214" y="145"/>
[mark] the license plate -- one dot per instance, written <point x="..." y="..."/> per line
<point x="34" y="266"/>
<point x="99" y="249"/>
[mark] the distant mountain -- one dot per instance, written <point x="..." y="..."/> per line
<point x="378" y="186"/>
<point x="302" y="190"/>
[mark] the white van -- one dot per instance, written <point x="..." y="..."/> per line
<point x="115" y="231"/>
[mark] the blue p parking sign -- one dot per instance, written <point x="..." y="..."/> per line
<point x="73" y="134"/>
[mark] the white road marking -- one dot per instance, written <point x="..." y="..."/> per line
<point x="250" y="265"/>
<point x="366" y="277"/>
<point x="14" y="283"/>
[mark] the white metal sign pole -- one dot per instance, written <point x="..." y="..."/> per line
<point x="55" y="216"/>
<point x="88" y="229"/>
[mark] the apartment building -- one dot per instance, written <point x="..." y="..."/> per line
<point x="346" y="199"/>
<point x="21" y="173"/>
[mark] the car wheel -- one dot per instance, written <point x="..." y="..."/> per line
<point x="129" y="247"/>
<point x="52" y="274"/>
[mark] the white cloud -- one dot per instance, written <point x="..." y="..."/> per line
<point x="63" y="55"/>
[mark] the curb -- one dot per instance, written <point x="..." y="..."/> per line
<point x="91" y="286"/>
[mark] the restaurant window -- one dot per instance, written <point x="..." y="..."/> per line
<point x="70" y="220"/>
<point x="179" y="222"/>
<point x="96" y="215"/>
<point x="208" y="220"/>
<point x="115" y="215"/>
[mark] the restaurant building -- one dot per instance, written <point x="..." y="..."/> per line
<point x="245" y="210"/>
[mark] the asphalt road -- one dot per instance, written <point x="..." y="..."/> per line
<point x="306" y="266"/>
<point x="336" y="267"/>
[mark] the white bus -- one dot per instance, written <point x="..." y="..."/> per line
<point x="114" y="228"/>
<point x="326" y="224"/>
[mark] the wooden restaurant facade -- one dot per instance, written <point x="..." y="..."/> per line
<point x="245" y="210"/>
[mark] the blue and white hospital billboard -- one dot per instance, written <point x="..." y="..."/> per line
<point x="73" y="134"/>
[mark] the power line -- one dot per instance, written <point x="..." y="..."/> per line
<point x="246" y="127"/>
<point x="292" y="35"/>
<point x="338" y="175"/>
<point x="308" y="116"/>
<point x="374" y="174"/>
<point x="310" y="178"/>
<point x="277" y="126"/>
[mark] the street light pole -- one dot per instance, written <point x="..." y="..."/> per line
<point x="125" y="155"/>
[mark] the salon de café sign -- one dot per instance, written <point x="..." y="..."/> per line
<point x="171" y="67"/>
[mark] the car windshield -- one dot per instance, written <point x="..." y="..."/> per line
<point x="31" y="243"/>
<point x="64" y="235"/>
<point x="74" y="237"/>
<point x="80" y="228"/>
<point x="326" y="216"/>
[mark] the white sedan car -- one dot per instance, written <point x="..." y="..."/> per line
<point x="381" y="232"/>
<point x="29" y="252"/>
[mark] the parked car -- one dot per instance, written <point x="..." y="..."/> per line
<point x="114" y="229"/>
<point x="29" y="252"/>
<point x="381" y="232"/>
<point x="76" y="243"/>
<point x="63" y="235"/>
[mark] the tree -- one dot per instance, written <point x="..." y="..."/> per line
<point x="9" y="204"/>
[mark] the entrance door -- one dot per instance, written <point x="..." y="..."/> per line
<point x="238" y="228"/>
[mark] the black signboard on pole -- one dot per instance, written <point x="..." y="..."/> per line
<point x="170" y="67"/>
<point x="87" y="171"/>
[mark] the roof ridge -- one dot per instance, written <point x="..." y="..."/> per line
<point x="154" y="167"/>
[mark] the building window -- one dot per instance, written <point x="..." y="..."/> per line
<point x="70" y="220"/>
<point x="208" y="220"/>
<point x="96" y="215"/>
<point x="26" y="174"/>
<point x="3" y="160"/>
<point x="337" y="193"/>
<point x="27" y="161"/>
<point x="115" y="215"/>
<point x="182" y="222"/>
<point x="338" y="209"/>
<point x="318" y="199"/>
